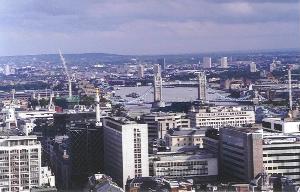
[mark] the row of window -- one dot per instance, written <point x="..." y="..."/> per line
<point x="170" y="164"/>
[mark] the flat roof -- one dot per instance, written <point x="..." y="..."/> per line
<point x="187" y="132"/>
<point x="244" y="129"/>
<point x="195" y="155"/>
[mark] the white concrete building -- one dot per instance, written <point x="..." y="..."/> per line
<point x="252" y="67"/>
<point x="184" y="138"/>
<point x="26" y="126"/>
<point x="217" y="117"/>
<point x="140" y="70"/>
<point x="224" y="62"/>
<point x="20" y="163"/>
<point x="47" y="178"/>
<point x="281" y="155"/>
<point x="201" y="164"/>
<point x="125" y="149"/>
<point x="282" y="126"/>
<point x="207" y="62"/>
<point x="35" y="114"/>
<point x="159" y="123"/>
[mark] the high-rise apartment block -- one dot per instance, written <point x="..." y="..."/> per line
<point x="20" y="163"/>
<point x="224" y="62"/>
<point x="252" y="67"/>
<point x="125" y="149"/>
<point x="206" y="62"/>
<point x="140" y="70"/>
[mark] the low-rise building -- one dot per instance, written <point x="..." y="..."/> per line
<point x="184" y="138"/>
<point x="287" y="125"/>
<point x="102" y="183"/>
<point x="159" y="123"/>
<point x="217" y="117"/>
<point x="198" y="164"/>
<point x="159" y="184"/>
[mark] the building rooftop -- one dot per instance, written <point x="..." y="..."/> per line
<point x="187" y="131"/>
<point x="122" y="120"/>
<point x="162" y="114"/>
<point x="245" y="129"/>
<point x="188" y="155"/>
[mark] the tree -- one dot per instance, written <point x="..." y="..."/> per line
<point x="118" y="110"/>
<point x="33" y="103"/>
<point x="87" y="100"/>
<point x="44" y="102"/>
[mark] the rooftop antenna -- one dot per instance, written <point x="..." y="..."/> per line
<point x="67" y="73"/>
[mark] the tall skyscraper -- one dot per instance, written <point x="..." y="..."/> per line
<point x="252" y="67"/>
<point x="224" y="62"/>
<point x="140" y="70"/>
<point x="20" y="163"/>
<point x="207" y="62"/>
<point x="272" y="66"/>
<point x="162" y="63"/>
<point x="125" y="149"/>
<point x="7" y="70"/>
<point x="202" y="86"/>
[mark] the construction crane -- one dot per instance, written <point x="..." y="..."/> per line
<point x="67" y="73"/>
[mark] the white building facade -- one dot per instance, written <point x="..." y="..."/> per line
<point x="217" y="117"/>
<point x="125" y="149"/>
<point x="20" y="163"/>
<point x="159" y="123"/>
<point x="184" y="165"/>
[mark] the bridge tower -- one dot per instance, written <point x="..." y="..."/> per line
<point x="202" y="86"/>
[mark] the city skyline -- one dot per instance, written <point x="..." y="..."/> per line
<point x="148" y="27"/>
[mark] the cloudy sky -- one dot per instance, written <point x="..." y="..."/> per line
<point x="147" y="26"/>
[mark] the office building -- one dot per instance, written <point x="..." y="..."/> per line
<point x="281" y="155"/>
<point x="216" y="117"/>
<point x="56" y="156"/>
<point x="206" y="62"/>
<point x="246" y="152"/>
<point x="252" y="67"/>
<point x="159" y="123"/>
<point x="199" y="165"/>
<point x="20" y="162"/>
<point x="125" y="149"/>
<point x="272" y="66"/>
<point x="178" y="138"/>
<point x="224" y="62"/>
<point x="279" y="125"/>
<point x="7" y="70"/>
<point x="140" y="70"/>
<point x="241" y="153"/>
